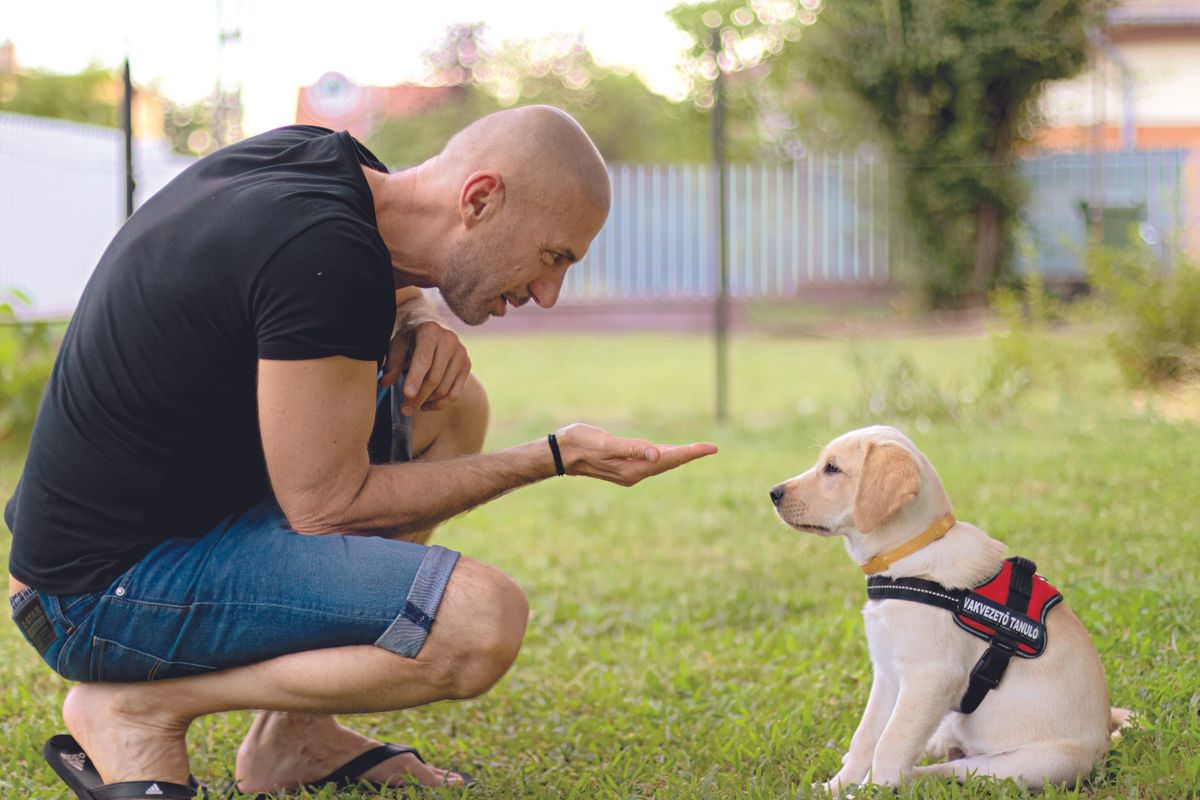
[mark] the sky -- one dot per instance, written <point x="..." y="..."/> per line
<point x="288" y="44"/>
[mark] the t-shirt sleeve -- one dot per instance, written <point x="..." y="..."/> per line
<point x="327" y="292"/>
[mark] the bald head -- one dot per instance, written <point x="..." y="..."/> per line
<point x="496" y="219"/>
<point x="541" y="151"/>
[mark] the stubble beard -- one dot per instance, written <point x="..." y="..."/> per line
<point x="462" y="288"/>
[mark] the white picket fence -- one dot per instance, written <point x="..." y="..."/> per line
<point x="823" y="219"/>
<point x="62" y="199"/>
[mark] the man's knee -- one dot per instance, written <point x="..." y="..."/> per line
<point x="456" y="430"/>
<point x="479" y="629"/>
<point x="471" y="415"/>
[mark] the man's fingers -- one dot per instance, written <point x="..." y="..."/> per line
<point x="672" y="456"/>
<point x="393" y="365"/>
<point x="390" y="375"/>
<point x="418" y="367"/>
<point x="451" y="388"/>
<point x="690" y="452"/>
<point x="637" y="450"/>
<point x="442" y="390"/>
<point x="433" y="379"/>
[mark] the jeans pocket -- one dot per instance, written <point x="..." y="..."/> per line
<point x="116" y="663"/>
<point x="76" y="608"/>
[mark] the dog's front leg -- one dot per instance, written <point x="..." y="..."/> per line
<point x="857" y="761"/>
<point x="922" y="703"/>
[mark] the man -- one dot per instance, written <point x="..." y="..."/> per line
<point x="234" y="330"/>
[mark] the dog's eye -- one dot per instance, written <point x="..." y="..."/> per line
<point x="830" y="469"/>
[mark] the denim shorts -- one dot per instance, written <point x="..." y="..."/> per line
<point x="249" y="590"/>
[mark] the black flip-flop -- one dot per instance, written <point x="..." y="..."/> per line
<point x="350" y="773"/>
<point x="69" y="762"/>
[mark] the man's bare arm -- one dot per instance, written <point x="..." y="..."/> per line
<point x="316" y="416"/>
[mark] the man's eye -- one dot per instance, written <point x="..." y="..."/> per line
<point x="830" y="469"/>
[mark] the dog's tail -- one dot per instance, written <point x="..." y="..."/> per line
<point x="1120" y="719"/>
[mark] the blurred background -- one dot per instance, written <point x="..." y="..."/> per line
<point x="779" y="166"/>
<point x="976" y="220"/>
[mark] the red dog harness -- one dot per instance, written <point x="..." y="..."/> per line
<point x="1008" y="612"/>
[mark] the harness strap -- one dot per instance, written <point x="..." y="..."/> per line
<point x="1002" y="645"/>
<point x="990" y="668"/>
<point x="917" y="590"/>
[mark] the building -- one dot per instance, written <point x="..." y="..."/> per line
<point x="337" y="102"/>
<point x="1142" y="90"/>
<point x="1139" y="101"/>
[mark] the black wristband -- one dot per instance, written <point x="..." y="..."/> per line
<point x="558" y="465"/>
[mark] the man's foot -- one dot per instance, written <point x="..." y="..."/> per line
<point x="125" y="735"/>
<point x="285" y="751"/>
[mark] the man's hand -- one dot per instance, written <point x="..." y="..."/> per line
<point x="437" y="363"/>
<point x="587" y="450"/>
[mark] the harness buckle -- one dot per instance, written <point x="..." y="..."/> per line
<point x="1004" y="643"/>
<point x="989" y="669"/>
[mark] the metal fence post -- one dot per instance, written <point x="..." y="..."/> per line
<point x="127" y="124"/>
<point x="721" y="320"/>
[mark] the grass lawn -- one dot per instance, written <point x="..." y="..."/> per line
<point x="684" y="643"/>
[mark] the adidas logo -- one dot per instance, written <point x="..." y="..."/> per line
<point x="77" y="761"/>
<point x="153" y="789"/>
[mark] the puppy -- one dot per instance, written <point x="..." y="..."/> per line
<point x="1047" y="722"/>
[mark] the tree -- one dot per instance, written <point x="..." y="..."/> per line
<point x="945" y="89"/>
<point x="188" y="127"/>
<point x="90" y="96"/>
<point x="627" y="121"/>
<point x="743" y="42"/>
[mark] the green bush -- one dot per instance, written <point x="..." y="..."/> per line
<point x="1024" y="354"/>
<point x="1156" y="307"/>
<point x="27" y="350"/>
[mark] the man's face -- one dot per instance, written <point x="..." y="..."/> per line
<point x="521" y="255"/>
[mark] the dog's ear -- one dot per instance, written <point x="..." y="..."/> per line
<point x="890" y="480"/>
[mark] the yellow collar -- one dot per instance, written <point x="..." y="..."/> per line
<point x="931" y="534"/>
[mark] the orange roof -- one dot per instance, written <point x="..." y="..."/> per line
<point x="334" y="101"/>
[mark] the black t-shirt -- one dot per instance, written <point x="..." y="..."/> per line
<point x="148" y="429"/>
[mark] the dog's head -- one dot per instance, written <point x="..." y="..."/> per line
<point x="865" y="481"/>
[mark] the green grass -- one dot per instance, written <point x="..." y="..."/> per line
<point x="683" y="643"/>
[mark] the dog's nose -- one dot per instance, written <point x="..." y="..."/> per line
<point x="777" y="494"/>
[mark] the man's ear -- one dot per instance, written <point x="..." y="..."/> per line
<point x="890" y="480"/>
<point x="482" y="195"/>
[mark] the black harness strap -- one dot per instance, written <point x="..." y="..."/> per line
<point x="880" y="587"/>
<point x="990" y="668"/>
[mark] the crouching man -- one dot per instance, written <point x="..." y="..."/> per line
<point x="223" y="489"/>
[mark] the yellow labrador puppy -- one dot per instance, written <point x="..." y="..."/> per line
<point x="970" y="665"/>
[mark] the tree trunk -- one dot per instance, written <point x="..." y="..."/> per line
<point x="989" y="246"/>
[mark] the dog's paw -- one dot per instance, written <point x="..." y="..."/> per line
<point x="834" y="788"/>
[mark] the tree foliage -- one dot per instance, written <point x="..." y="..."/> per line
<point x="627" y="121"/>
<point x="945" y="89"/>
<point x="90" y="96"/>
<point x="188" y="127"/>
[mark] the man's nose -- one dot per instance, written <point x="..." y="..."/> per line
<point x="777" y="494"/>
<point x="545" y="290"/>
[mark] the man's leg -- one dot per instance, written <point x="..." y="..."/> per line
<point x="457" y="430"/>
<point x="276" y="747"/>
<point x="136" y="731"/>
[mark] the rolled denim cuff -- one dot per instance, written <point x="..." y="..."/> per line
<point x="406" y="635"/>
<point x="15" y="601"/>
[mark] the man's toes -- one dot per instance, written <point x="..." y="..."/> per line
<point x="444" y="777"/>
<point x="406" y="768"/>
